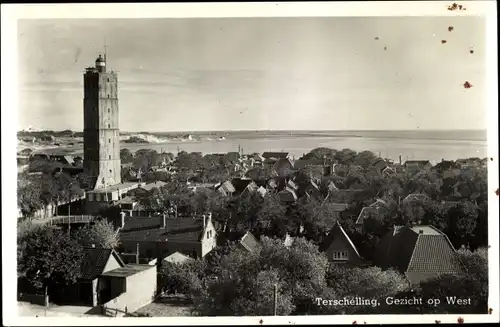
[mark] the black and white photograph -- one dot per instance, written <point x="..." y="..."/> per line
<point x="271" y="162"/>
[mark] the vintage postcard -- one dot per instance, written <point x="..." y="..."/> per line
<point x="250" y="163"/>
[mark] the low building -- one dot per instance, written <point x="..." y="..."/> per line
<point x="107" y="281"/>
<point x="418" y="252"/>
<point x="96" y="198"/>
<point x="147" y="238"/>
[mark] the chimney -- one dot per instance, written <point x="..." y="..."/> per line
<point x="400" y="160"/>
<point x="122" y="216"/>
<point x="204" y="221"/>
<point x="164" y="221"/>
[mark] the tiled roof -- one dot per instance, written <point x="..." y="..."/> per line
<point x="420" y="252"/>
<point x="302" y="163"/>
<point x="178" y="257"/>
<point x="367" y="212"/>
<point x="227" y="187"/>
<point x="150" y="229"/>
<point x="250" y="243"/>
<point x="94" y="262"/>
<point x="379" y="164"/>
<point x="275" y="155"/>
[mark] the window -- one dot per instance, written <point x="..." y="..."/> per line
<point x="108" y="95"/>
<point x="108" y="80"/>
<point x="110" y="171"/>
<point x="109" y="125"/>
<point x="109" y="110"/>
<point x="340" y="255"/>
<point x="109" y="157"/>
<point x="109" y="140"/>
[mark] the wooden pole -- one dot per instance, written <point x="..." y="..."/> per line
<point x="137" y="255"/>
<point x="275" y="299"/>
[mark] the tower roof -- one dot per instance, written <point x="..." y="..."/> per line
<point x="99" y="59"/>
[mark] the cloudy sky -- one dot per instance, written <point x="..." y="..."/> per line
<point x="337" y="73"/>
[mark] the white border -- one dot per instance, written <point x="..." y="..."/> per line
<point x="10" y="14"/>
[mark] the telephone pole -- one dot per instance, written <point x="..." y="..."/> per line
<point x="275" y="299"/>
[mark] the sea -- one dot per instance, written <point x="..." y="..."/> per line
<point x="430" y="145"/>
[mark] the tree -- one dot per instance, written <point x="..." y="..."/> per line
<point x="126" y="156"/>
<point x="322" y="153"/>
<point x="368" y="283"/>
<point x="183" y="278"/>
<point x="271" y="212"/>
<point x="48" y="258"/>
<point x="365" y="159"/>
<point x="101" y="234"/>
<point x="461" y="222"/>
<point x="29" y="199"/>
<point x="471" y="284"/>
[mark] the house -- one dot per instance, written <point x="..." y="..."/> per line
<point x="160" y="236"/>
<point x="445" y="165"/>
<point x="249" y="243"/>
<point x="388" y="171"/>
<point x="226" y="188"/>
<point x="287" y="195"/>
<point x="339" y="248"/>
<point x="178" y="257"/>
<point x="380" y="165"/>
<point x="312" y="191"/>
<point x="262" y="191"/>
<point x="127" y="204"/>
<point x="313" y="166"/>
<point x="106" y="280"/>
<point x="63" y="159"/>
<point x="244" y="186"/>
<point x="419" y="252"/>
<point x="283" y="166"/>
<point x="332" y="187"/>
<point x="417" y="165"/>
<point x="468" y="163"/>
<point x="376" y="209"/>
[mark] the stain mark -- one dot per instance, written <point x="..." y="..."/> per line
<point x="437" y="321"/>
<point x="443" y="41"/>
<point x="497" y="192"/>
<point x="460" y="320"/>
<point x="491" y="159"/>
<point x="467" y="85"/>
<point x="450" y="28"/>
<point x="490" y="311"/>
<point x="377" y="38"/>
<point x="261" y="321"/>
<point x="471" y="51"/>
<point x="385" y="48"/>
<point x="454" y="6"/>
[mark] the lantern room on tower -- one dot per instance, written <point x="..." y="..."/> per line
<point x="100" y="64"/>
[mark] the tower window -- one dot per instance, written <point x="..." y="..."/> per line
<point x="109" y="157"/>
<point x="110" y="171"/>
<point x="108" y="80"/>
<point x="109" y="126"/>
<point x="108" y="95"/>
<point x="109" y="140"/>
<point x="109" y="110"/>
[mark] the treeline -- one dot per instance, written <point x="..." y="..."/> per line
<point x="233" y="282"/>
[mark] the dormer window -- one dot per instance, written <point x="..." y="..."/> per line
<point x="340" y="255"/>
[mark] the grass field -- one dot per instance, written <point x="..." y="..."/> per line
<point x="168" y="306"/>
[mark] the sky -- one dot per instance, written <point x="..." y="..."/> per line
<point x="194" y="74"/>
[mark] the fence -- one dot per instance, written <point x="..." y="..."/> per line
<point x="82" y="219"/>
<point x="113" y="312"/>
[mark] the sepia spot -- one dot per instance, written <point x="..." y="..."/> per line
<point x="460" y="320"/>
<point x="467" y="85"/>
<point x="443" y="41"/>
<point x="450" y="28"/>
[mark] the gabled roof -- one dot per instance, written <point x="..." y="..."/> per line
<point x="95" y="260"/>
<point x="288" y="195"/>
<point x="420" y="252"/>
<point x="178" y="257"/>
<point x="367" y="212"/>
<point x="417" y="162"/>
<point x="275" y="155"/>
<point x="227" y="187"/>
<point x="336" y="232"/>
<point x="415" y="197"/>
<point x="302" y="163"/>
<point x="250" y="243"/>
<point x="379" y="164"/>
<point x="240" y="184"/>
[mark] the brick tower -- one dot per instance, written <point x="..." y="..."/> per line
<point x="101" y="135"/>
